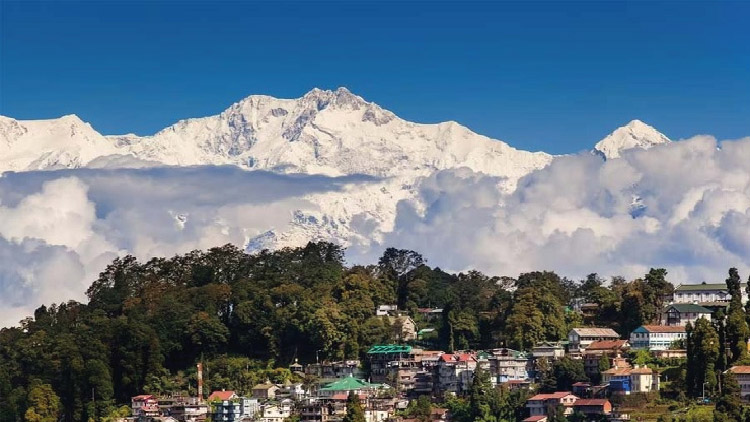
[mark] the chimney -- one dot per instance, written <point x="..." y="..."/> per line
<point x="200" y="382"/>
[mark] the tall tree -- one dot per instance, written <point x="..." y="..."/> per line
<point x="44" y="404"/>
<point x="736" y="325"/>
<point x="729" y="404"/>
<point x="703" y="343"/>
<point x="354" y="411"/>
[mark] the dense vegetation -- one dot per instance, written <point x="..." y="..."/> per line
<point x="248" y="316"/>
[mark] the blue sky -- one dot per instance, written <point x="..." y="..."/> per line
<point x="552" y="76"/>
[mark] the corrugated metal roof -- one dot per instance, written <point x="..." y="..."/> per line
<point x="596" y="331"/>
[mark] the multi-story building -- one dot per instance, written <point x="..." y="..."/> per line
<point x="338" y="369"/>
<point x="656" y="337"/>
<point x="541" y="404"/>
<point x="624" y="381"/>
<point x="612" y="349"/>
<point x="704" y="292"/>
<point x="381" y="356"/>
<point x="455" y="372"/>
<point x="580" y="338"/>
<point x="682" y="313"/>
<point x="275" y="412"/>
<point x="226" y="411"/>
<point x="548" y="350"/>
<point x="349" y="385"/>
<point x="144" y="406"/>
<point x="509" y="365"/>
<point x="188" y="409"/>
<point x="742" y="374"/>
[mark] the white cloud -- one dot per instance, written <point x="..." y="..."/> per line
<point x="59" y="229"/>
<point x="684" y="206"/>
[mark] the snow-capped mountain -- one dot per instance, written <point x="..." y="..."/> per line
<point x="67" y="142"/>
<point x="635" y="134"/>
<point x="324" y="132"/>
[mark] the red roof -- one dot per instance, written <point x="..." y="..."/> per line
<point x="344" y="396"/>
<point x="536" y="418"/>
<point x="664" y="328"/>
<point x="221" y="395"/>
<point x="143" y="397"/>
<point x="556" y="395"/>
<point x="607" y="345"/>
<point x="592" y="402"/>
<point x="582" y="384"/>
<point x="456" y="357"/>
<point x="740" y="369"/>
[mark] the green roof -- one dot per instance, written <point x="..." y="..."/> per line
<point x="689" y="307"/>
<point x="389" y="348"/>
<point x="702" y="286"/>
<point x="349" y="384"/>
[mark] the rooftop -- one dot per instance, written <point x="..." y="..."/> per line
<point x="742" y="369"/>
<point x="349" y="384"/>
<point x="660" y="329"/>
<point x="703" y="286"/>
<point x="556" y="395"/>
<point x="389" y="348"/>
<point x="596" y="331"/>
<point x="689" y="307"/>
<point x="591" y="402"/>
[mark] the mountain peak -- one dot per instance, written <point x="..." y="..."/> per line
<point x="635" y="134"/>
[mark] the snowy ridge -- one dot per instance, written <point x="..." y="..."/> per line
<point x="635" y="134"/>
<point x="325" y="132"/>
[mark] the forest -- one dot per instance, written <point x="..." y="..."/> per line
<point x="248" y="316"/>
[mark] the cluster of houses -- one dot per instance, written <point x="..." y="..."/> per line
<point x="398" y="372"/>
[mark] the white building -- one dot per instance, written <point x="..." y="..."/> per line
<point x="742" y="373"/>
<point x="656" y="337"/>
<point x="682" y="313"/>
<point x="539" y="404"/>
<point x="705" y="292"/>
<point x="581" y="338"/>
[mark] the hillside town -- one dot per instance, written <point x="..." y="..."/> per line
<point x="393" y="376"/>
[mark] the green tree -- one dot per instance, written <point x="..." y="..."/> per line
<point x="44" y="404"/>
<point x="737" y="331"/>
<point x="703" y="346"/>
<point x="729" y="404"/>
<point x="354" y="411"/>
<point x="568" y="372"/>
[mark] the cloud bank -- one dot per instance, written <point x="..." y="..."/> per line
<point x="59" y="229"/>
<point x="684" y="206"/>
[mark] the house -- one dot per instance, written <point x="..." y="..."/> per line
<point x="382" y="358"/>
<point x="509" y="365"/>
<point x="274" y="412"/>
<point x="249" y="407"/>
<point x="144" y="406"/>
<point x="656" y="337"/>
<point x="223" y="395"/>
<point x="541" y="404"/>
<point x="589" y="312"/>
<point x="349" y="385"/>
<point x="430" y="314"/>
<point x="226" y="411"/>
<point x="404" y="328"/>
<point x="742" y="373"/>
<point x="337" y="369"/>
<point x="455" y="372"/>
<point x="549" y="350"/>
<point x="682" y="313"/>
<point x="188" y="409"/>
<point x="705" y="292"/>
<point x="266" y="391"/>
<point x="592" y="407"/>
<point x="624" y="381"/>
<point x="670" y="354"/>
<point x="384" y="310"/>
<point x="580" y="338"/>
<point x="612" y="349"/>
